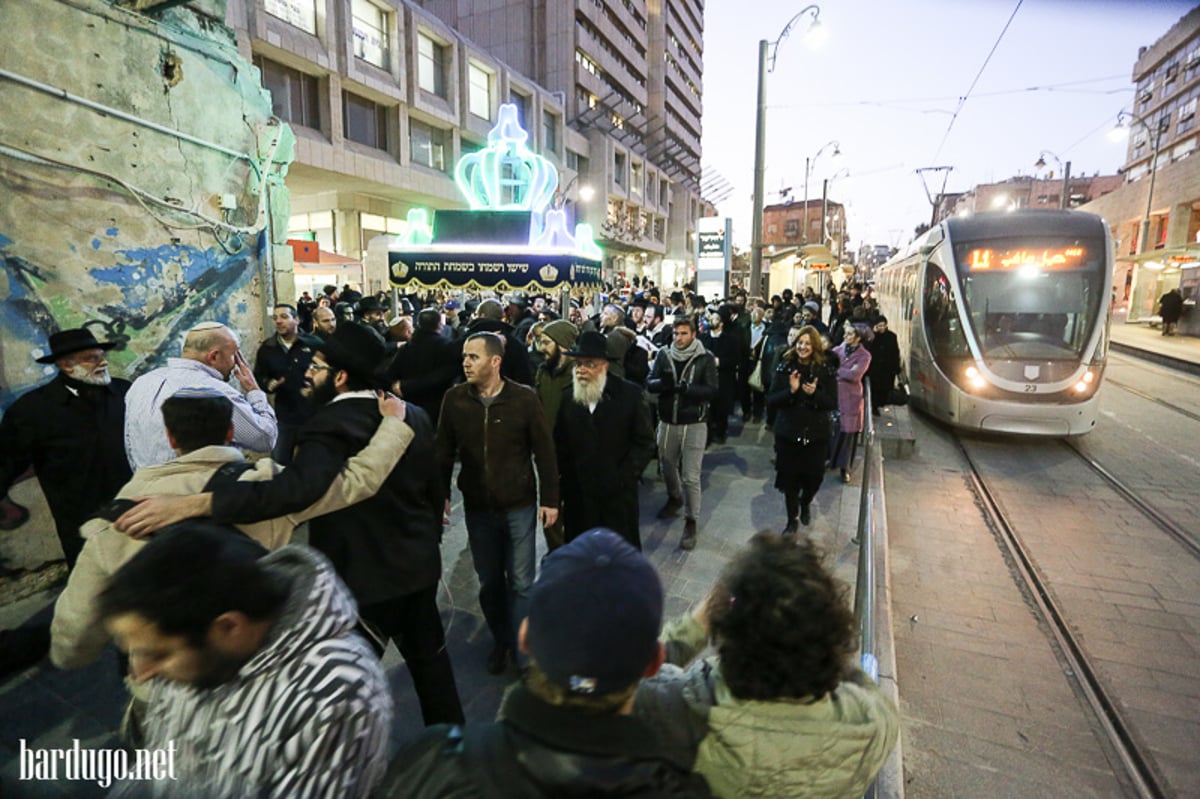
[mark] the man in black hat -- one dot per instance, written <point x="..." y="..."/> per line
<point x="71" y="431"/>
<point x="567" y="729"/>
<point x="604" y="440"/>
<point x="385" y="548"/>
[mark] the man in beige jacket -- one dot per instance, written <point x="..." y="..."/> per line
<point x="199" y="426"/>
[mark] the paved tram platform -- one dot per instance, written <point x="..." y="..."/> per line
<point x="46" y="707"/>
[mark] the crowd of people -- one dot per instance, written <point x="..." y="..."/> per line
<point x="259" y="657"/>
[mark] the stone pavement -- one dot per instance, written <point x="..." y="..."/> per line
<point x="1147" y="340"/>
<point x="49" y="708"/>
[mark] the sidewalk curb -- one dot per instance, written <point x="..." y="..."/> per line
<point x="890" y="781"/>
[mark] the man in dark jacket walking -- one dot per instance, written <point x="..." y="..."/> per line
<point x="425" y="368"/>
<point x="684" y="377"/>
<point x="732" y="352"/>
<point x="1170" y="308"/>
<point x="591" y="635"/>
<point x="496" y="428"/>
<point x="604" y="440"/>
<point x="279" y="368"/>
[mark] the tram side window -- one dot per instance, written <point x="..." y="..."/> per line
<point x="942" y="325"/>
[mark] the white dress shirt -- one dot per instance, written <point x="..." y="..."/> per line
<point x="254" y="426"/>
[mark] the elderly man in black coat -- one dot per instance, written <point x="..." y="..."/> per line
<point x="385" y="548"/>
<point x="604" y="439"/>
<point x="71" y="431"/>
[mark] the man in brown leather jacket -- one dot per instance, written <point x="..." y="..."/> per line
<point x="497" y="429"/>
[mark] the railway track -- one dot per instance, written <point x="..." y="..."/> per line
<point x="1156" y="400"/>
<point x="1140" y="774"/>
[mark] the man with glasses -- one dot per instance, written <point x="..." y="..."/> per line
<point x="604" y="440"/>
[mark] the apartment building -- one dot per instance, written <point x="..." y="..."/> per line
<point x="629" y="75"/>
<point x="384" y="98"/>
<point x="1161" y="180"/>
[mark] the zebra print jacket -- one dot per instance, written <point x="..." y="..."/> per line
<point x="308" y="716"/>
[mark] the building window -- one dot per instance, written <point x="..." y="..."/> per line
<point x="369" y="24"/>
<point x="431" y="65"/>
<point x="294" y="95"/>
<point x="635" y="180"/>
<point x="365" y="121"/>
<point x="791" y="228"/>
<point x="664" y="192"/>
<point x="427" y="144"/>
<point x="549" y="132"/>
<point x="479" y="92"/>
<point x="619" y="169"/>
<point x="660" y="229"/>
<point x="521" y="101"/>
<point x="300" y="13"/>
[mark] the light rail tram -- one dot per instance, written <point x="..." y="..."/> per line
<point x="1002" y="319"/>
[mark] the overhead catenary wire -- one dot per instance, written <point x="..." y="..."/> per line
<point x="963" y="100"/>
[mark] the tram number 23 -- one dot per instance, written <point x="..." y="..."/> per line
<point x="1031" y="388"/>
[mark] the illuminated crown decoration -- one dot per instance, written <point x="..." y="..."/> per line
<point x="548" y="273"/>
<point x="506" y="175"/>
<point x="417" y="229"/>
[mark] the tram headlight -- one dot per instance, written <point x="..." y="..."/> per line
<point x="1087" y="383"/>
<point x="974" y="378"/>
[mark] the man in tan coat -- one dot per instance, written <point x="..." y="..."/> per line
<point x="199" y="426"/>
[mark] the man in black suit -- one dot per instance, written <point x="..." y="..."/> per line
<point x="386" y="548"/>
<point x="426" y="366"/>
<point x="604" y="439"/>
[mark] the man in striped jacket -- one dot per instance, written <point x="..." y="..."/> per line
<point x="260" y="686"/>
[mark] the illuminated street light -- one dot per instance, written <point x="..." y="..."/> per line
<point x="1066" y="173"/>
<point x="814" y="37"/>
<point x="1121" y="131"/>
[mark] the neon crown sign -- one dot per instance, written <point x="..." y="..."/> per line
<point x="508" y="176"/>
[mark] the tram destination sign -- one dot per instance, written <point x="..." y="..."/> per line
<point x="983" y="259"/>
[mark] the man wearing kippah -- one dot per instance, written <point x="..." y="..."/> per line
<point x="566" y="730"/>
<point x="210" y="355"/>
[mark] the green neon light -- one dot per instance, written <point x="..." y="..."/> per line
<point x="585" y="242"/>
<point x="417" y="231"/>
<point x="506" y="175"/>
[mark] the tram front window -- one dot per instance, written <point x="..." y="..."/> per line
<point x="1035" y="301"/>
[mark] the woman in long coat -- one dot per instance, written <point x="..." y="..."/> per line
<point x="802" y="393"/>
<point x="854" y="359"/>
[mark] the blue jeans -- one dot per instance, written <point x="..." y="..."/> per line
<point x="503" y="547"/>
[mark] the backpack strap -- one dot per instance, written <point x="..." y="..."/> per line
<point x="227" y="474"/>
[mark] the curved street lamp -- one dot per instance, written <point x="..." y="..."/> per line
<point x="1066" y="173"/>
<point x="1143" y="239"/>
<point x="815" y="33"/>
<point x="809" y="165"/>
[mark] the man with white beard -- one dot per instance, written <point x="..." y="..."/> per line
<point x="604" y="440"/>
<point x="70" y="431"/>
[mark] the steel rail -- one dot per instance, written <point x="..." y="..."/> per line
<point x="1162" y="520"/>
<point x="1138" y="392"/>
<point x="1138" y="765"/>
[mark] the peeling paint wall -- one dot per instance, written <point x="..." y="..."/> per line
<point x="108" y="218"/>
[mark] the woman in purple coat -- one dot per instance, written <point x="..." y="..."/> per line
<point x="855" y="358"/>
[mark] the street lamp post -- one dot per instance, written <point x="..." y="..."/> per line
<point x="767" y="64"/>
<point x="1144" y="238"/>
<point x="1066" y="173"/>
<point x="809" y="165"/>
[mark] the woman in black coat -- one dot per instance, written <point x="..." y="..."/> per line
<point x="885" y="364"/>
<point x="803" y="392"/>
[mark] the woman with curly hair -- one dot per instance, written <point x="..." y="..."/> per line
<point x="779" y="711"/>
<point x="803" y="391"/>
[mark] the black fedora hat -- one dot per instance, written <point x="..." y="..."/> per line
<point x="371" y="304"/>
<point x="358" y="349"/>
<point x="590" y="344"/>
<point x="65" y="342"/>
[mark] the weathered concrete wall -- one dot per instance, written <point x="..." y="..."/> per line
<point x="110" y="223"/>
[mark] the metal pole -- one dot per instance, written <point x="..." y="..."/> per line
<point x="760" y="154"/>
<point x="1066" y="193"/>
<point x="824" y="207"/>
<point x="804" y="233"/>
<point x="1145" y="237"/>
